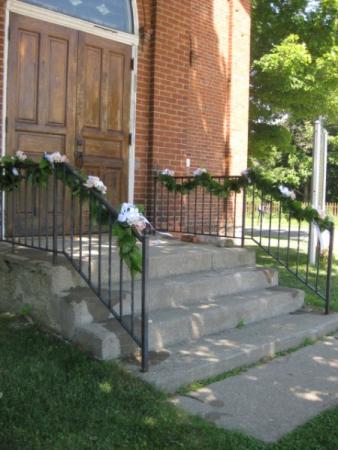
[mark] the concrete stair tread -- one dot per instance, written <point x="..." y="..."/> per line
<point x="226" y="301"/>
<point x="181" y="289"/>
<point x="197" y="285"/>
<point x="221" y="352"/>
<point x="175" y="258"/>
<point x="182" y="323"/>
<point x="185" y="322"/>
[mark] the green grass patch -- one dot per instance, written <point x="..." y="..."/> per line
<point x="287" y="279"/>
<point x="53" y="397"/>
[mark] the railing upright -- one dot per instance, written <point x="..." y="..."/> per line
<point x="82" y="228"/>
<point x="145" y="320"/>
<point x="277" y="236"/>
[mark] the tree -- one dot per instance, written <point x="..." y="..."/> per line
<point x="294" y="79"/>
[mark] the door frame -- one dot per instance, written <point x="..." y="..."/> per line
<point x="36" y="12"/>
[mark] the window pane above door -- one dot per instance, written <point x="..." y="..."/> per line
<point x="116" y="14"/>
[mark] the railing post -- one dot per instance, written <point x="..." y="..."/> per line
<point x="13" y="218"/>
<point x="145" y="324"/>
<point x="329" y="271"/>
<point x="55" y="212"/>
<point x="243" y="218"/>
<point x="155" y="203"/>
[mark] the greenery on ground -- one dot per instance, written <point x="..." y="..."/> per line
<point x="294" y="80"/>
<point x="53" y="397"/>
<point x="288" y="279"/>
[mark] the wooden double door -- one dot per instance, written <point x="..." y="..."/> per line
<point x="69" y="91"/>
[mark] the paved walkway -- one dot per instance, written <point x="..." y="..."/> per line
<point x="271" y="400"/>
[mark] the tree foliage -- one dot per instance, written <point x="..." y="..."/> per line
<point x="294" y="79"/>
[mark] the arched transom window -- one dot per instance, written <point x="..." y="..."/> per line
<point x="116" y="14"/>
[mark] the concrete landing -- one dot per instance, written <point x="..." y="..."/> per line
<point x="231" y="349"/>
<point x="271" y="400"/>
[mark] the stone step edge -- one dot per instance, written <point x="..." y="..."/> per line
<point x="198" y="319"/>
<point x="108" y="339"/>
<point x="241" y="359"/>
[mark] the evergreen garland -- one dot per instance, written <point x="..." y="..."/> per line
<point x="13" y="170"/>
<point x="252" y="177"/>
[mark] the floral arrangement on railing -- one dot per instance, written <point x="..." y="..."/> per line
<point x="128" y="223"/>
<point x="249" y="177"/>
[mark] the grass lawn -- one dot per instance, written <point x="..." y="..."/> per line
<point x="52" y="396"/>
<point x="287" y="279"/>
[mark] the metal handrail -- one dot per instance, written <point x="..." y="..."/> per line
<point x="198" y="212"/>
<point x="70" y="231"/>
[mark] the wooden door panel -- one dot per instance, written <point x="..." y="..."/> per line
<point x="28" y="75"/>
<point x="41" y="87"/>
<point x="91" y="87"/>
<point x="103" y="112"/>
<point x="115" y="91"/>
<point x="41" y="101"/>
<point x="31" y="143"/>
<point x="69" y="91"/>
<point x="57" y="81"/>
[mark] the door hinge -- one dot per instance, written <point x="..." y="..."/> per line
<point x="132" y="64"/>
<point x="6" y="125"/>
<point x="130" y="139"/>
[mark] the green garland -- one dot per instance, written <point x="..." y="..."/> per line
<point x="253" y="177"/>
<point x="14" y="170"/>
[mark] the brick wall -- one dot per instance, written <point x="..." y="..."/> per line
<point x="2" y="40"/>
<point x="192" y="89"/>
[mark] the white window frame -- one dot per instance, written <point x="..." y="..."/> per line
<point x="46" y="15"/>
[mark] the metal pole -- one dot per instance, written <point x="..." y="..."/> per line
<point x="316" y="163"/>
<point x="243" y="218"/>
<point x="329" y="271"/>
<point x="145" y="324"/>
<point x="55" y="212"/>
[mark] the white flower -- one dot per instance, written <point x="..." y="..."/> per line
<point x="56" y="157"/>
<point x="199" y="171"/>
<point x="321" y="213"/>
<point x="130" y="214"/>
<point x="21" y="156"/>
<point x="287" y="192"/>
<point x="168" y="172"/>
<point x="15" y="171"/>
<point x="245" y="173"/>
<point x="96" y="183"/>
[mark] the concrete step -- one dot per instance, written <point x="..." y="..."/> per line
<point x="80" y="307"/>
<point x="174" y="291"/>
<point x="169" y="258"/>
<point x="222" y="352"/>
<point x="172" y="326"/>
<point x="180" y="290"/>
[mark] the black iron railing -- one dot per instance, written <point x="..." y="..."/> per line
<point x="250" y="215"/>
<point x="301" y="247"/>
<point x="198" y="212"/>
<point x="59" y="218"/>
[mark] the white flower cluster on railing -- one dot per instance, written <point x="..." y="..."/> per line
<point x="21" y="156"/>
<point x="287" y="192"/>
<point x="55" y="158"/>
<point x="250" y="176"/>
<point x="129" y="218"/>
<point x="93" y="182"/>
<point x="199" y="171"/>
<point x="169" y="172"/>
<point x="131" y="215"/>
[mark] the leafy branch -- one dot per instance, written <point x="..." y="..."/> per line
<point x="252" y="177"/>
<point x="13" y="170"/>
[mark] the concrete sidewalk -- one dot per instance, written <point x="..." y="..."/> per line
<point x="271" y="400"/>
